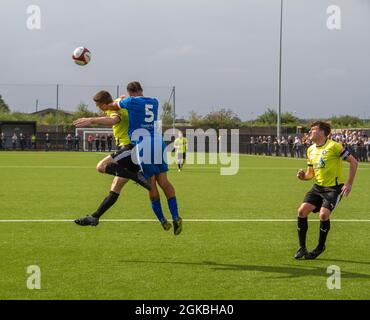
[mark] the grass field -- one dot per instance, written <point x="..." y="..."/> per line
<point x="209" y="260"/>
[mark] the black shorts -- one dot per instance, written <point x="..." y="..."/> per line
<point x="123" y="157"/>
<point x="181" y="156"/>
<point x="327" y="197"/>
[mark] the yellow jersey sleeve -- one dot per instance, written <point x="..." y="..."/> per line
<point x="337" y="148"/>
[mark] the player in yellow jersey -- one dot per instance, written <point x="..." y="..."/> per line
<point x="119" y="163"/>
<point x="180" y="150"/>
<point x="324" y="160"/>
<point x="118" y="119"/>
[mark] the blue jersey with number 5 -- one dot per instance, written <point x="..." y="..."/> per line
<point x="142" y="114"/>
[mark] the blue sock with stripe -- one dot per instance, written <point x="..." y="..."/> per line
<point x="157" y="208"/>
<point x="172" y="205"/>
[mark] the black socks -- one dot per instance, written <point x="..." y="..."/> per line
<point x="109" y="201"/>
<point x="324" y="230"/>
<point x="302" y="231"/>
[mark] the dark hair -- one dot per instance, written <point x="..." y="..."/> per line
<point x="134" y="87"/>
<point x="324" y="126"/>
<point x="103" y="97"/>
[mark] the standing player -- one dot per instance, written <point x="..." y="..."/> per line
<point x="143" y="115"/>
<point x="324" y="160"/>
<point x="180" y="150"/>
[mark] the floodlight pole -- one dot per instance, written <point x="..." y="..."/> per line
<point x="57" y="97"/>
<point x="174" y="107"/>
<point x="280" y="63"/>
<point x="57" y="105"/>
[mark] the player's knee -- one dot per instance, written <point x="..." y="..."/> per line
<point x="100" y="167"/>
<point x="302" y="212"/>
<point x="324" y="215"/>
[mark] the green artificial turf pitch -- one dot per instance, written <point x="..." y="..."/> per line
<point x="209" y="260"/>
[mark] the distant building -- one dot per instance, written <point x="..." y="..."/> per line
<point x="52" y="111"/>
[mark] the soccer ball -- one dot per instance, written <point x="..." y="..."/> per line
<point x="81" y="56"/>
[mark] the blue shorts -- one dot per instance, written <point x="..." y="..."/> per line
<point x="157" y="163"/>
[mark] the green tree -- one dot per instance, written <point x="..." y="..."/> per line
<point x="269" y="117"/>
<point x="195" y="119"/>
<point x="346" y="121"/>
<point x="4" y="108"/>
<point x="224" y="118"/>
<point x="167" y="114"/>
<point x="83" y="112"/>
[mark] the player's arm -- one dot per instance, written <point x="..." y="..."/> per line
<point x="353" y="164"/>
<point x="104" y="121"/>
<point x="176" y="144"/>
<point x="112" y="106"/>
<point x="117" y="105"/>
<point x="306" y="175"/>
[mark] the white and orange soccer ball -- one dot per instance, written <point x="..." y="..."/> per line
<point x="81" y="56"/>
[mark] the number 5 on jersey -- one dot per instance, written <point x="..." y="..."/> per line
<point x="149" y="114"/>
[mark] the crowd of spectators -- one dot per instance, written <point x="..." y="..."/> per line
<point x="291" y="146"/>
<point x="18" y="141"/>
<point x="296" y="146"/>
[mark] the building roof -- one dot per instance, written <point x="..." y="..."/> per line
<point x="47" y="111"/>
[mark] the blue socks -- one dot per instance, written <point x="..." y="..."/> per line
<point x="172" y="205"/>
<point x="157" y="208"/>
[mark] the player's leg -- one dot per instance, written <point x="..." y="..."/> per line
<point x="178" y="161"/>
<point x="183" y="159"/>
<point x="156" y="204"/>
<point x="324" y="230"/>
<point x="169" y="191"/>
<point x="331" y="199"/>
<point x="120" y="164"/>
<point x="302" y="226"/>
<point x="107" y="203"/>
<point x="311" y="203"/>
<point x="112" y="197"/>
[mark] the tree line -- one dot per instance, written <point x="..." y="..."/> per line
<point x="221" y="118"/>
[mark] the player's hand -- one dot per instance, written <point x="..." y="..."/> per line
<point x="301" y="174"/>
<point x="82" y="122"/>
<point x="122" y="97"/>
<point x="346" y="189"/>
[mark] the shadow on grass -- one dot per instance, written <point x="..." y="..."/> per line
<point x="347" y="261"/>
<point x="286" y="271"/>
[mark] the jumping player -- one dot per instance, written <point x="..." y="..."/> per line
<point x="149" y="147"/>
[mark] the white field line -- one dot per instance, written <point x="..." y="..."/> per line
<point x="190" y="167"/>
<point x="185" y="220"/>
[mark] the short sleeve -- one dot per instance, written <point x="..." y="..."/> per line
<point x="337" y="149"/>
<point x="114" y="114"/>
<point x="124" y="102"/>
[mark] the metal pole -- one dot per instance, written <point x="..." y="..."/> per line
<point x="37" y="104"/>
<point x="56" y="115"/>
<point x="174" y="107"/>
<point x="117" y="91"/>
<point x="57" y="96"/>
<point x="280" y="63"/>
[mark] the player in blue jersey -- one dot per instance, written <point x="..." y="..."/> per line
<point x="149" y="149"/>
